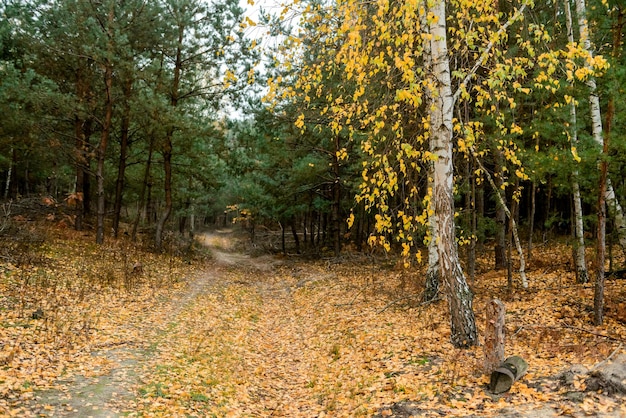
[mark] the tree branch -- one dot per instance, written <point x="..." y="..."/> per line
<point x="485" y="53"/>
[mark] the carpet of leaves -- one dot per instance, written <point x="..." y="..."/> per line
<point x="332" y="337"/>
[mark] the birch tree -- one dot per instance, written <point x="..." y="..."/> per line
<point x="397" y="97"/>
<point x="613" y="204"/>
<point x="579" y="246"/>
<point x="441" y="110"/>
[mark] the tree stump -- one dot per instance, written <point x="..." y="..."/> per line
<point x="494" y="336"/>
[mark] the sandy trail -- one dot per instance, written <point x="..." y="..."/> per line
<point x="111" y="390"/>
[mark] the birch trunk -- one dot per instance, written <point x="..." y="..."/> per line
<point x="7" y="186"/>
<point x="433" y="274"/>
<point x="507" y="212"/>
<point x="459" y="295"/>
<point x="613" y="204"/>
<point x="579" y="246"/>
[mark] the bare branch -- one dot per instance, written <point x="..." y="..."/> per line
<point x="485" y="53"/>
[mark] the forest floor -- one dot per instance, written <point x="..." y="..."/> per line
<point x="83" y="334"/>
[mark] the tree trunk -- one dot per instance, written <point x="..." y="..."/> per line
<point x="500" y="247"/>
<point x="82" y="132"/>
<point x="615" y="210"/>
<point x="598" y="297"/>
<point x="121" y="167"/>
<point x="144" y="187"/>
<point x="106" y="126"/>
<point x="104" y="140"/>
<point x="7" y="186"/>
<point x="512" y="223"/>
<point x="182" y="222"/>
<point x="433" y="272"/>
<point x="480" y="209"/>
<point x="470" y="217"/>
<point x="168" y="146"/>
<point x="313" y="218"/>
<point x="86" y="172"/>
<point x="579" y="233"/>
<point x="80" y="163"/>
<point x="463" y="323"/>
<point x="282" y="238"/>
<point x="531" y="219"/>
<point x="167" y="185"/>
<point x="596" y="116"/>
<point x="296" y="239"/>
<point x="336" y="209"/>
<point x="494" y="335"/>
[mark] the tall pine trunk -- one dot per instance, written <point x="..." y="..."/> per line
<point x="82" y="132"/>
<point x="102" y="147"/>
<point x="168" y="145"/>
<point x="106" y="125"/>
<point x="104" y="139"/>
<point x="144" y="187"/>
<point x="121" y="168"/>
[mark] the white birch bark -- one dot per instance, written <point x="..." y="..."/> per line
<point x="441" y="107"/>
<point x="613" y="204"/>
<point x="7" y="187"/>
<point x="579" y="258"/>
<point x="433" y="273"/>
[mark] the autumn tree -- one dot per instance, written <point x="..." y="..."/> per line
<point x="206" y="57"/>
<point x="405" y="48"/>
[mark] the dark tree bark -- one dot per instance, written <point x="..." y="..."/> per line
<point x="121" y="167"/>
<point x="336" y="208"/>
<point x="168" y="145"/>
<point x="282" y="238"/>
<point x="106" y="125"/>
<point x="296" y="239"/>
<point x="470" y="216"/>
<point x="144" y="190"/>
<point x="531" y="219"/>
<point x="104" y="140"/>
<point x="82" y="134"/>
<point x="500" y="247"/>
<point x="598" y="297"/>
<point x="167" y="185"/>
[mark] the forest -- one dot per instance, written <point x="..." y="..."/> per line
<point x="418" y="157"/>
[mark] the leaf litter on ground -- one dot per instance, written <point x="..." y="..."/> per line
<point x="334" y="337"/>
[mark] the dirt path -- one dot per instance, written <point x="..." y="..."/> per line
<point x="111" y="389"/>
